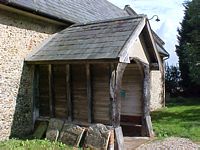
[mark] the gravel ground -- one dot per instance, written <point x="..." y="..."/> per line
<point x="171" y="143"/>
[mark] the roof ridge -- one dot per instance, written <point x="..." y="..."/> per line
<point x="109" y="20"/>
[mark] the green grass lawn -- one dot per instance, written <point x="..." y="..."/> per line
<point x="14" y="144"/>
<point x="181" y="118"/>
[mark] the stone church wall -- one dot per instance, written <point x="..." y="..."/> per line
<point x="19" y="35"/>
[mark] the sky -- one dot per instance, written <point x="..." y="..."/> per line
<point x="170" y="13"/>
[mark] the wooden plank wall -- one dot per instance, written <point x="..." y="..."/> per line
<point x="71" y="92"/>
<point x="100" y="93"/>
<point x="79" y="92"/>
<point x="43" y="91"/>
<point x="132" y="84"/>
<point x="60" y="91"/>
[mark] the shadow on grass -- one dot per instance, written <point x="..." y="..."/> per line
<point x="189" y="115"/>
<point x="181" y="118"/>
<point x="183" y="102"/>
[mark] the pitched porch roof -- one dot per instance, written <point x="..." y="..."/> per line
<point x="95" y="40"/>
<point x="79" y="11"/>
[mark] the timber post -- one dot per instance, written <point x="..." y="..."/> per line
<point x="35" y="96"/>
<point x="51" y="91"/>
<point x="69" y="98"/>
<point x="115" y="92"/>
<point x="146" y="97"/>
<point x="111" y="85"/>
<point x="89" y="93"/>
<point x="115" y="86"/>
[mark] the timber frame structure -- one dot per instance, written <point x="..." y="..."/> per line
<point x="101" y="64"/>
<point x="89" y="75"/>
<point x="115" y="73"/>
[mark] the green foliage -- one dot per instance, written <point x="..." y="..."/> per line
<point x="188" y="48"/>
<point x="180" y="119"/>
<point x="172" y="80"/>
<point x="15" y="144"/>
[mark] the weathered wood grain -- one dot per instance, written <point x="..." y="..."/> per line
<point x="146" y="95"/>
<point x="69" y="96"/>
<point x="51" y="91"/>
<point x="132" y="86"/>
<point x="89" y="93"/>
<point x="79" y="92"/>
<point x="115" y="93"/>
<point x="100" y="92"/>
<point x="60" y="91"/>
<point x="147" y="124"/>
<point x="44" y="109"/>
<point x="119" y="139"/>
<point x="35" y="97"/>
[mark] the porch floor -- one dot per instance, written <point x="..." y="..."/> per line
<point x="131" y="143"/>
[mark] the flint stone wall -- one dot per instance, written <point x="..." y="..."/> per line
<point x="19" y="35"/>
<point x="156" y="90"/>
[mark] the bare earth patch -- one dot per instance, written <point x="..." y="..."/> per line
<point x="172" y="143"/>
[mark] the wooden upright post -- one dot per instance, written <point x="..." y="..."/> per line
<point x="89" y="93"/>
<point x="69" y="98"/>
<point x="35" y="98"/>
<point x="112" y="85"/>
<point x="147" y="124"/>
<point x="51" y="90"/>
<point x="115" y="86"/>
<point x="115" y="93"/>
<point x="146" y="97"/>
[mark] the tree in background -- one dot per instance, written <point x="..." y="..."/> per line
<point x="172" y="80"/>
<point x="188" y="49"/>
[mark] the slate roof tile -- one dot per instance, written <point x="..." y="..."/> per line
<point x="76" y="11"/>
<point x="100" y="40"/>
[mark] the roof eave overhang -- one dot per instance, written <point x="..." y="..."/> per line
<point x="164" y="55"/>
<point x="143" y="24"/>
<point x="162" y="51"/>
<point x="73" y="61"/>
<point x="154" y="45"/>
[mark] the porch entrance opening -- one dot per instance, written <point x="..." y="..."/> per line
<point x="131" y="101"/>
